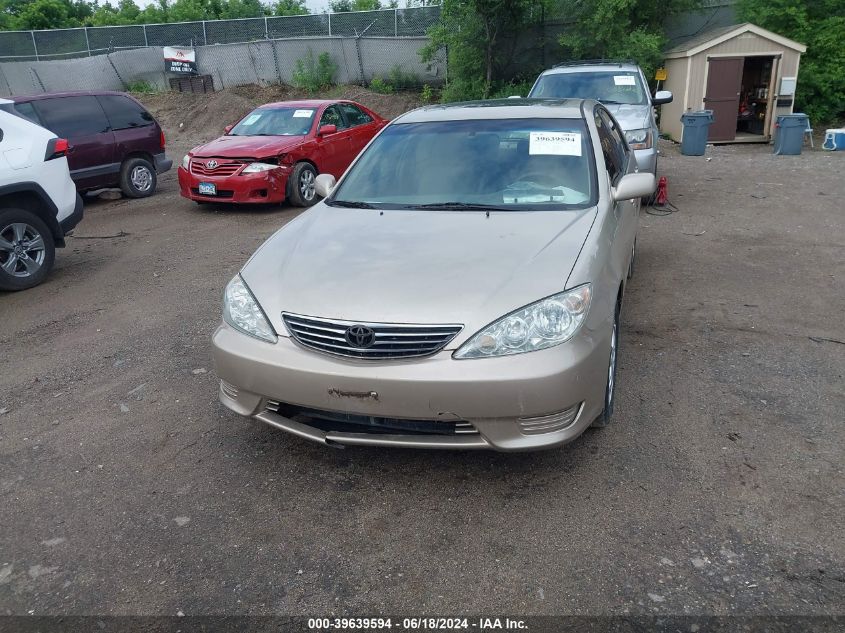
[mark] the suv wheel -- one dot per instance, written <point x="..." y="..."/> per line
<point x="137" y="178"/>
<point x="27" y="250"/>
<point x="302" y="190"/>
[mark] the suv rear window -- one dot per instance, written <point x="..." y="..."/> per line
<point x="72" y="117"/>
<point x="124" y="113"/>
<point x="24" y="110"/>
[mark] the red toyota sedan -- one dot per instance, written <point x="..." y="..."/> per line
<point x="275" y="152"/>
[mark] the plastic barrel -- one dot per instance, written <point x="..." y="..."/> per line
<point x="696" y="130"/>
<point x="789" y="135"/>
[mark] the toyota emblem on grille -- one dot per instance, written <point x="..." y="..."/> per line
<point x="360" y="336"/>
<point x="212" y="164"/>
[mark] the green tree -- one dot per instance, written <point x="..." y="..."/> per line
<point x="339" y="6"/>
<point x="46" y="14"/>
<point x="820" y="24"/>
<point x="620" y="29"/>
<point x="290" y="7"/>
<point x="471" y="31"/>
<point x="232" y="9"/>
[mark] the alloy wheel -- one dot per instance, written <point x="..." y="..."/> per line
<point x="611" y="368"/>
<point x="306" y="185"/>
<point x="22" y="249"/>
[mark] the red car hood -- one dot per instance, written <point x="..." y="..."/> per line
<point x="247" y="146"/>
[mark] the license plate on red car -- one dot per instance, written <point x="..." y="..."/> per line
<point x="208" y="189"/>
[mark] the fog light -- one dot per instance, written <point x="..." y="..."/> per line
<point x="550" y="423"/>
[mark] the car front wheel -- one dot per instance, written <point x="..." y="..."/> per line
<point x="610" y="391"/>
<point x="303" y="192"/>
<point x="137" y="178"/>
<point x="27" y="250"/>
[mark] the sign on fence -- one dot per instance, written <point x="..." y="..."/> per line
<point x="180" y="60"/>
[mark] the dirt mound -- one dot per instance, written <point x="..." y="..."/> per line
<point x="190" y="119"/>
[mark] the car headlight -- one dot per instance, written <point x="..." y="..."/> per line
<point x="241" y="311"/>
<point x="186" y="161"/>
<point x="254" y="168"/>
<point x="638" y="139"/>
<point x="549" y="322"/>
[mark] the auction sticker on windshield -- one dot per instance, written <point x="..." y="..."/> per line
<point x="303" y="114"/>
<point x="554" y="143"/>
<point x="624" y="80"/>
<point x="252" y="118"/>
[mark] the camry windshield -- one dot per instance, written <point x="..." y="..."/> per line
<point x="503" y="164"/>
<point x="275" y="122"/>
<point x="606" y="86"/>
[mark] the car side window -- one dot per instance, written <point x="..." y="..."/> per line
<point x="612" y="146"/>
<point x="72" y="117"/>
<point x="354" y="115"/>
<point x="619" y="144"/>
<point x="332" y="116"/>
<point x="27" y="111"/>
<point x="123" y="113"/>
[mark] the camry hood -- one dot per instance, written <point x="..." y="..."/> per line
<point x="246" y="146"/>
<point x="433" y="267"/>
<point x="630" y="117"/>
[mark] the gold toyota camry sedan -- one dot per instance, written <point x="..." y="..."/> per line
<point x="460" y="287"/>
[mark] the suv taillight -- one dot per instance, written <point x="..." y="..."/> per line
<point x="161" y="139"/>
<point x="56" y="148"/>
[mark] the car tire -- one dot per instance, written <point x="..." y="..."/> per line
<point x="605" y="416"/>
<point x="633" y="260"/>
<point x="301" y="184"/>
<point x="27" y="249"/>
<point x="137" y="178"/>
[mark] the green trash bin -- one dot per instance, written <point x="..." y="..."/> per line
<point x="789" y="134"/>
<point x="696" y="130"/>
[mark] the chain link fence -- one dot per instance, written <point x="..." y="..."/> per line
<point x="395" y="61"/>
<point x="89" y="41"/>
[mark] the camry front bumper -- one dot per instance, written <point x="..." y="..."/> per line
<point x="511" y="403"/>
<point x="258" y="188"/>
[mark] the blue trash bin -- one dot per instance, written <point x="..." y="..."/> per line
<point x="789" y="134"/>
<point x="696" y="130"/>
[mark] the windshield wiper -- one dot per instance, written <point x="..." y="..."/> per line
<point x="350" y="204"/>
<point x="610" y="102"/>
<point x="459" y="206"/>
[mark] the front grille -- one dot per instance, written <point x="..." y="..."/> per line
<point x="225" y="167"/>
<point x="391" y="340"/>
<point x="338" y="422"/>
<point x="221" y="193"/>
<point x="549" y="423"/>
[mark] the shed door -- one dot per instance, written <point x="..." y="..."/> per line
<point x="724" y="83"/>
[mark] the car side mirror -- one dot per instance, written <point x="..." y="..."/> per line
<point x="632" y="186"/>
<point x="227" y="129"/>
<point x="661" y="97"/>
<point x="325" y="130"/>
<point x="324" y="183"/>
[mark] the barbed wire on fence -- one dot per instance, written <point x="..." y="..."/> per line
<point x="98" y="40"/>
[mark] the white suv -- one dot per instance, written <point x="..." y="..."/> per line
<point x="39" y="204"/>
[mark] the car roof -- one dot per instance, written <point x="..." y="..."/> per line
<point x="70" y="93"/>
<point x="304" y="103"/>
<point x="498" y="109"/>
<point x="593" y="67"/>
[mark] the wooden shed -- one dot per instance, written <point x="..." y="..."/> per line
<point x="744" y="73"/>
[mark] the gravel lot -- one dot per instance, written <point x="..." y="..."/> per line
<point x="125" y="488"/>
